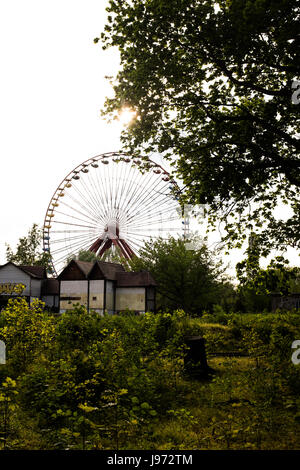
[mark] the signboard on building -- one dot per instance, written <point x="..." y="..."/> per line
<point x="11" y="288"/>
<point x="2" y="353"/>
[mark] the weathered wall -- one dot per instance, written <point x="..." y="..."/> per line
<point x="110" y="297"/>
<point x="12" y="275"/>
<point x="130" y="297"/>
<point x="97" y="295"/>
<point x="72" y="292"/>
<point x="36" y="285"/>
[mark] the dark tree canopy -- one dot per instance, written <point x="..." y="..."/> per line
<point x="189" y="279"/>
<point x="211" y="82"/>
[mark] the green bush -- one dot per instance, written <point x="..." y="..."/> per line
<point x="117" y="381"/>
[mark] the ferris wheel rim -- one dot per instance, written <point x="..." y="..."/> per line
<point x="147" y="164"/>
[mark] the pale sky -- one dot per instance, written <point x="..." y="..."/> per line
<point x="52" y="88"/>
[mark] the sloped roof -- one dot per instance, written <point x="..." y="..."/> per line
<point x="85" y="266"/>
<point x="76" y="270"/>
<point x="106" y="270"/>
<point x="37" y="272"/>
<point x="132" y="279"/>
<point x="90" y="270"/>
<point x="109" y="270"/>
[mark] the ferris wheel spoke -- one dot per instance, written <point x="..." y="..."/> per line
<point x="135" y="196"/>
<point x="130" y="178"/>
<point x="92" y="208"/>
<point x="126" y="182"/>
<point x="62" y="240"/>
<point x="69" y="223"/>
<point x="150" y="203"/>
<point x="100" y="189"/>
<point x="60" y="257"/>
<point x="66" y="246"/>
<point x="121" y="191"/>
<point x="167" y="213"/>
<point x="75" y="246"/>
<point x="147" y="190"/>
<point x="92" y="197"/>
<point x="70" y="231"/>
<point x="153" y="201"/>
<point x="129" y="194"/>
<point x="136" y="245"/>
<point x="154" y="210"/>
<point x="151" y="217"/>
<point x="91" y="213"/>
<point x="73" y="208"/>
<point x="72" y="217"/>
<point x="135" y="199"/>
<point x="96" y="190"/>
<point x="152" y="220"/>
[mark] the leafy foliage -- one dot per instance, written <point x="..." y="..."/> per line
<point x="28" y="250"/>
<point x="211" y="83"/>
<point x="256" y="283"/>
<point x="27" y="331"/>
<point x="187" y="279"/>
<point x="118" y="382"/>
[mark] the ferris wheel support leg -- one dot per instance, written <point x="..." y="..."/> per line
<point x="96" y="245"/>
<point x="105" y="247"/>
<point x="117" y="243"/>
<point x="128" y="248"/>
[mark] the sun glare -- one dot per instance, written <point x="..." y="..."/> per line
<point x="126" y="116"/>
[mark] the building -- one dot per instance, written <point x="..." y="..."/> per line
<point x="99" y="286"/>
<point x="30" y="282"/>
<point x="102" y="286"/>
<point x="285" y="302"/>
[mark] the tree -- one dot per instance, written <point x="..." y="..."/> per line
<point x="187" y="279"/>
<point x="27" y="331"/>
<point x="29" y="250"/>
<point x="256" y="283"/>
<point x="214" y="87"/>
<point x="109" y="256"/>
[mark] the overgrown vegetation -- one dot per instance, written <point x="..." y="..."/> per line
<point x="193" y="280"/>
<point x="82" y="381"/>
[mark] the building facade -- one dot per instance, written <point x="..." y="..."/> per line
<point x="102" y="286"/>
<point x="285" y="302"/>
<point x="29" y="282"/>
<point x="99" y="286"/>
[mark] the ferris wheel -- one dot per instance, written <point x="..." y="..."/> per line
<point x="112" y="201"/>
